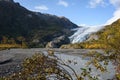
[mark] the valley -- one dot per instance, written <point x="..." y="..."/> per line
<point x="41" y="46"/>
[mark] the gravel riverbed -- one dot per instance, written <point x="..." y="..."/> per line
<point x="11" y="60"/>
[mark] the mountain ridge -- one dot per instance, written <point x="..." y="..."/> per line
<point x="36" y="28"/>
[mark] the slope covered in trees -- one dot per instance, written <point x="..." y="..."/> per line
<point x="36" y="29"/>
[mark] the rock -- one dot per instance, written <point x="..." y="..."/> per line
<point x="93" y="37"/>
<point x="65" y="47"/>
<point x="109" y="36"/>
<point x="57" y="42"/>
<point x="5" y="58"/>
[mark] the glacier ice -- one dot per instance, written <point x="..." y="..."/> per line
<point x="82" y="33"/>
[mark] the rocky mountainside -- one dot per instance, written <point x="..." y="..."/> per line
<point x="36" y="29"/>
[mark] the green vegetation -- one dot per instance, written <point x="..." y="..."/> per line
<point x="85" y="45"/>
<point x="7" y="42"/>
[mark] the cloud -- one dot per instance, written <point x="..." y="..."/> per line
<point x="115" y="3"/>
<point x="63" y="3"/>
<point x="116" y="14"/>
<point x="41" y="8"/>
<point x="115" y="17"/>
<point x="95" y="3"/>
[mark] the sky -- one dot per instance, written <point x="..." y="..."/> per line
<point x="80" y="12"/>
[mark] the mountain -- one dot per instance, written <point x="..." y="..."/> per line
<point x="34" y="28"/>
<point x="109" y="34"/>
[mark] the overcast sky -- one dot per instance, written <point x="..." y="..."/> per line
<point x="81" y="12"/>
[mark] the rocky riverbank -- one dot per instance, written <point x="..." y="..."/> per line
<point x="11" y="60"/>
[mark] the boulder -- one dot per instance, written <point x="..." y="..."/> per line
<point x="93" y="37"/>
<point x="57" y="42"/>
<point x="4" y="58"/>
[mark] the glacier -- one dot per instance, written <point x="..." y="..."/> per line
<point x="83" y="33"/>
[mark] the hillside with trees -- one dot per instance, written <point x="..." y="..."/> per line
<point x="19" y="25"/>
